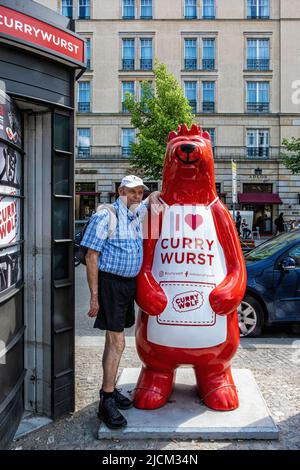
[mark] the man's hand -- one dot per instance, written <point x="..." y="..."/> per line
<point x="92" y="277"/>
<point x="155" y="203"/>
<point x="94" y="306"/>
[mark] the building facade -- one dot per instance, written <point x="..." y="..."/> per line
<point x="239" y="65"/>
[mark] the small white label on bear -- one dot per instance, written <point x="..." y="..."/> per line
<point x="188" y="304"/>
<point x="186" y="301"/>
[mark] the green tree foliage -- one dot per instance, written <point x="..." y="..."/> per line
<point x="292" y="160"/>
<point x="162" y="108"/>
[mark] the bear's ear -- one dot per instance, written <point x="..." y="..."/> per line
<point x="172" y="135"/>
<point x="206" y="135"/>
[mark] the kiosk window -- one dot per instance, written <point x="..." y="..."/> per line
<point x="62" y="175"/>
<point x="62" y="132"/>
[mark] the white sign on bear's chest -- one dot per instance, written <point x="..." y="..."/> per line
<point x="188" y="239"/>
<point x="188" y="264"/>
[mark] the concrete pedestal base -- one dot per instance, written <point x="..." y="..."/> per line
<point x="185" y="417"/>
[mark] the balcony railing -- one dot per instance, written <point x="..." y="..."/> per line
<point x="208" y="106"/>
<point x="126" y="151"/>
<point x="258" y="107"/>
<point x="84" y="14"/>
<point x="83" y="152"/>
<point x="258" y="152"/>
<point x="193" y="105"/>
<point x="247" y="153"/>
<point x="128" y="64"/>
<point x="208" y="64"/>
<point x="258" y="64"/>
<point x="190" y="16"/>
<point x="84" y="107"/>
<point x="124" y="109"/>
<point x="128" y="14"/>
<point x="146" y="64"/>
<point x="190" y="64"/>
<point x="104" y="153"/>
<point x="209" y="16"/>
<point x="258" y="17"/>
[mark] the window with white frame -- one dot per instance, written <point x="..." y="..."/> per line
<point x="258" y="143"/>
<point x="128" y="53"/>
<point x="84" y="9"/>
<point x="208" y="9"/>
<point x="190" y="91"/>
<point x="208" y="97"/>
<point x="83" y="142"/>
<point x="146" y="9"/>
<point x="208" y="55"/>
<point x="142" y="92"/>
<point x="258" y="9"/>
<point x="128" y="8"/>
<point x="258" y="54"/>
<point x="84" y="97"/>
<point x="190" y="9"/>
<point x="127" y="87"/>
<point x="128" y="137"/>
<point x="146" y="54"/>
<point x="258" y="100"/>
<point x="67" y="8"/>
<point x="190" y="54"/>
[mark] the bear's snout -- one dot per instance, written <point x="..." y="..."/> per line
<point x="187" y="153"/>
<point x="187" y="148"/>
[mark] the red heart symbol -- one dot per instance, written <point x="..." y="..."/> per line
<point x="193" y="220"/>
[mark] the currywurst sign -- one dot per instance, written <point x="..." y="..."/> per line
<point x="31" y="30"/>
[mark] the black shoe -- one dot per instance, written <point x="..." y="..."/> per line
<point x="122" y="402"/>
<point x="110" y="415"/>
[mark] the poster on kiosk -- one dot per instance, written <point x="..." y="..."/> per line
<point x="192" y="280"/>
<point x="10" y="186"/>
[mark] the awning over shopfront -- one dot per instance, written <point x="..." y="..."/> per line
<point x="259" y="198"/>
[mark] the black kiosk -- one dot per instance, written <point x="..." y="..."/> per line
<point x="40" y="59"/>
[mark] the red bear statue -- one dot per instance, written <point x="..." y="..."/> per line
<point x="192" y="280"/>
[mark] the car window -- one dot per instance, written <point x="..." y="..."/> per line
<point x="295" y="254"/>
<point x="272" y="246"/>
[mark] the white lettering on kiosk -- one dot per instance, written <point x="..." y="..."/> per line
<point x="8" y="218"/>
<point x="38" y="33"/>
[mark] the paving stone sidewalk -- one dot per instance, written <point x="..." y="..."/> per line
<point x="275" y="365"/>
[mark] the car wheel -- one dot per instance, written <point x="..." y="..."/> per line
<point x="251" y="317"/>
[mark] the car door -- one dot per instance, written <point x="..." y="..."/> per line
<point x="287" y="287"/>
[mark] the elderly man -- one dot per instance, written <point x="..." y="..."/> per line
<point x="113" y="260"/>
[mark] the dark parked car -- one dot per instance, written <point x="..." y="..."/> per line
<point x="273" y="285"/>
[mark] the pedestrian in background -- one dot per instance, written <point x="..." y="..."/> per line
<point x="238" y="222"/>
<point x="246" y="231"/>
<point x="279" y="224"/>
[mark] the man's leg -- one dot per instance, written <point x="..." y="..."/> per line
<point x="108" y="408"/>
<point x="114" y="347"/>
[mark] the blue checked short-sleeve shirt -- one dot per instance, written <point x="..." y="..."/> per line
<point x="121" y="253"/>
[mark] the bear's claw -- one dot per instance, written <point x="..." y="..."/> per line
<point x="224" y="398"/>
<point x="148" y="399"/>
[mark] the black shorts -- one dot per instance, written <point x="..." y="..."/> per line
<point x="116" y="301"/>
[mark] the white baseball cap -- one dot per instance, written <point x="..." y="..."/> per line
<point x="132" y="181"/>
